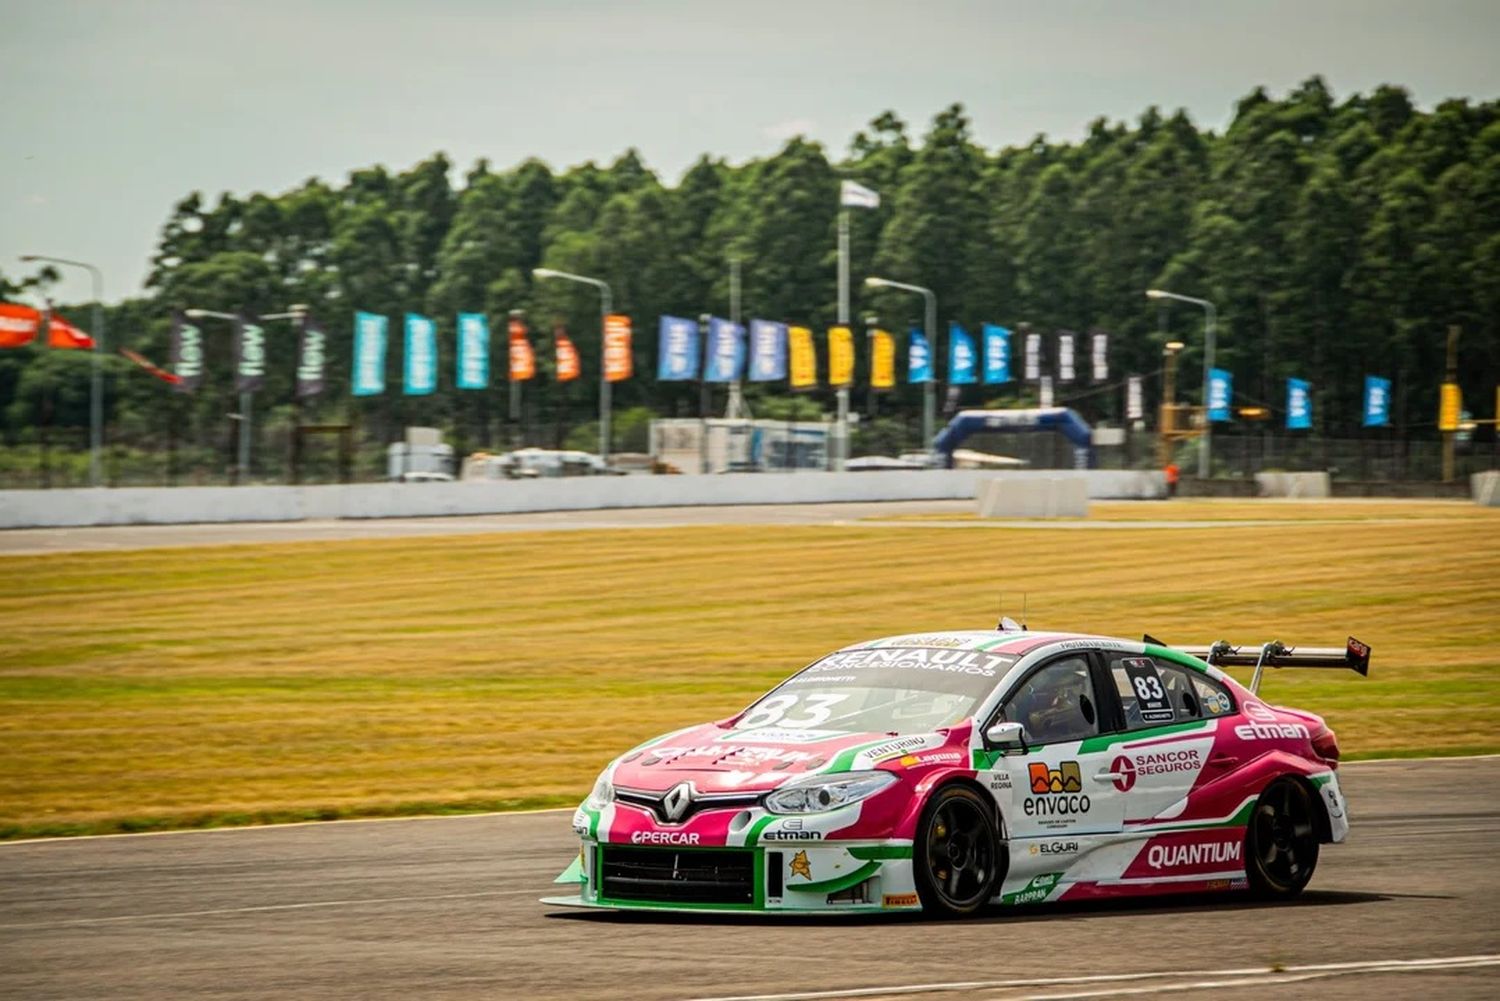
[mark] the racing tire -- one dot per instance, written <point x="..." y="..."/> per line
<point x="955" y="858"/>
<point x="1281" y="841"/>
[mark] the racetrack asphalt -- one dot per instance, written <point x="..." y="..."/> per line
<point x="448" y="908"/>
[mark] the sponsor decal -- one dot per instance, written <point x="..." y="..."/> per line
<point x="1055" y="792"/>
<point x="999" y="781"/>
<point x="580" y="823"/>
<point x="779" y="735"/>
<point x="932" y="758"/>
<point x="663" y="838"/>
<point x="1034" y="891"/>
<point x="1127" y="768"/>
<point x="1055" y="848"/>
<point x="940" y="641"/>
<point x="800" y="866"/>
<point x="1257" y="711"/>
<point x="1271" y="731"/>
<point x="892" y="748"/>
<point x="1064" y="778"/>
<point x="1217" y="704"/>
<point x="973" y="662"/>
<point x="898" y="900"/>
<point x="791" y="830"/>
<point x="1218" y="884"/>
<point x="1177" y="856"/>
<point x="1190" y="853"/>
<point x="736" y="754"/>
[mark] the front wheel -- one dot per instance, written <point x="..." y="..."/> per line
<point x="1281" y="846"/>
<point x="955" y="853"/>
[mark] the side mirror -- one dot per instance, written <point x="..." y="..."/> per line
<point x="1006" y="736"/>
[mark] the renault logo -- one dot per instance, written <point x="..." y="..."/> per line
<point x="676" y="802"/>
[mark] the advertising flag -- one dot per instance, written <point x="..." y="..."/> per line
<point x="1135" y="399"/>
<point x="767" y="351"/>
<point x="855" y="195"/>
<point x="1450" y="407"/>
<point x="186" y="354"/>
<point x="1220" y="394"/>
<point x="1377" y="402"/>
<point x="421" y="356"/>
<point x="1298" y="405"/>
<point x="803" y="357"/>
<point x="473" y="355"/>
<point x="568" y="365"/>
<point x="249" y="354"/>
<point x="962" y="365"/>
<point x="1100" y="351"/>
<point x="1044" y="392"/>
<point x="147" y="365"/>
<point x="522" y="358"/>
<point x="369" y="354"/>
<point x="840" y="357"/>
<point x="677" y="349"/>
<point x="882" y="360"/>
<point x="618" y="362"/>
<point x="62" y="334"/>
<point x="1066" y="342"/>
<point x="996" y="354"/>
<point x="18" y="324"/>
<point x="1033" y="357"/>
<point x="724" y="359"/>
<point x="918" y="358"/>
<point x="312" y="356"/>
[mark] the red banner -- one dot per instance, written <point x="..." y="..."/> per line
<point x="617" y="358"/>
<point x="151" y="367"/>
<point x="522" y="358"/>
<point x="568" y="367"/>
<point x="18" y="324"/>
<point x="62" y="334"/>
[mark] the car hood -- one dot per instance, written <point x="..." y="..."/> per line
<point x="718" y="760"/>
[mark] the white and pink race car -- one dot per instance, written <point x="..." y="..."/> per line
<point x="947" y="771"/>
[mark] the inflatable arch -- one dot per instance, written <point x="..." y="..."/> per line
<point x="1060" y="419"/>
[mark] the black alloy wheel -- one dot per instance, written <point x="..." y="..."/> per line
<point x="955" y="857"/>
<point x="1281" y="845"/>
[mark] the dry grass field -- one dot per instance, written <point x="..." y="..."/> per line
<point x="185" y="687"/>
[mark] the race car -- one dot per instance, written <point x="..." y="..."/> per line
<point x="947" y="771"/>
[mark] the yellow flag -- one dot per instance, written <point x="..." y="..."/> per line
<point x="882" y="360"/>
<point x="804" y="360"/>
<point x="1449" y="405"/>
<point x="840" y="357"/>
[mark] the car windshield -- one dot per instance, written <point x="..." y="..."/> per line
<point x="880" y="689"/>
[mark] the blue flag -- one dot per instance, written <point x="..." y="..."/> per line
<point x="421" y="355"/>
<point x="677" y="349"/>
<point x="963" y="367"/>
<point x="1220" y="394"/>
<point x="473" y="351"/>
<point x="1298" y="405"/>
<point x="767" y="351"/>
<point x="996" y="354"/>
<point x="1377" y="402"/>
<point x="918" y="358"/>
<point x="368" y="378"/>
<point x="724" y="358"/>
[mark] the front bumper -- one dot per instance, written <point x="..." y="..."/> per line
<point x="814" y="877"/>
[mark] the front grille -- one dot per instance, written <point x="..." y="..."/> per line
<point x="700" y="876"/>
<point x="710" y="801"/>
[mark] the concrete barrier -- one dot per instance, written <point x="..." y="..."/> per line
<point x="1485" y="488"/>
<point x="1293" y="484"/>
<point x="1052" y="497"/>
<point x="183" y="505"/>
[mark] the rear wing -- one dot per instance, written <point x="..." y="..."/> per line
<point x="1355" y="656"/>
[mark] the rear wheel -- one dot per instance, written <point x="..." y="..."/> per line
<point x="1281" y="846"/>
<point x="955" y="856"/>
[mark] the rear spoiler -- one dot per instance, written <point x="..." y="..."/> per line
<point x="1355" y="656"/>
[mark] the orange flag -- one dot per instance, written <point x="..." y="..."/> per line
<point x="522" y="358"/>
<point x="18" y="324"/>
<point x="568" y="367"/>
<point x="62" y="334"/>
<point x="617" y="357"/>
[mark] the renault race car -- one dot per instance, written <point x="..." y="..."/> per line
<point x="946" y="771"/>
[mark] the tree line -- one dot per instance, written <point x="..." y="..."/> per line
<point x="1337" y="238"/>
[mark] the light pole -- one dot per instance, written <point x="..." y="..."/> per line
<point x="1167" y="425"/>
<point x="604" y="308"/>
<point x="1208" y="364"/>
<point x="96" y="377"/>
<point x="929" y="388"/>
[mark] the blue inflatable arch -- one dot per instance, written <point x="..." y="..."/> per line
<point x="1059" y="419"/>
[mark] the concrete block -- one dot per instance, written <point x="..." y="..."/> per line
<point x="1034" y="497"/>
<point x="1293" y="484"/>
<point x="1485" y="488"/>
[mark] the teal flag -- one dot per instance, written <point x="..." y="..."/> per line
<point x="473" y="351"/>
<point x="369" y="354"/>
<point x="421" y="355"/>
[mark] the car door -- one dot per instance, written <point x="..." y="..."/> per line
<point x="1057" y="783"/>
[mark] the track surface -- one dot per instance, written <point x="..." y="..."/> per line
<point x="447" y="908"/>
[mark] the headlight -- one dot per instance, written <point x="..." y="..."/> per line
<point x="602" y="796"/>
<point x="827" y="792"/>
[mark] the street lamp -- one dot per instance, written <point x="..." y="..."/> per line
<point x="1208" y="364"/>
<point x="929" y="388"/>
<point x="96" y="377"/>
<point x="604" y="308"/>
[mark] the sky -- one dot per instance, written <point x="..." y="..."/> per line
<point x="113" y="110"/>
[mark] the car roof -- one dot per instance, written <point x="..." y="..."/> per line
<point x="993" y="640"/>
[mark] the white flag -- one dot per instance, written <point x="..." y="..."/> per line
<point x="1046" y="391"/>
<point x="1065" y="357"/>
<point x="1135" y="407"/>
<point x="855" y="195"/>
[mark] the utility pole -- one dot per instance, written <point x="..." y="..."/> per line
<point x="1448" y="405"/>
